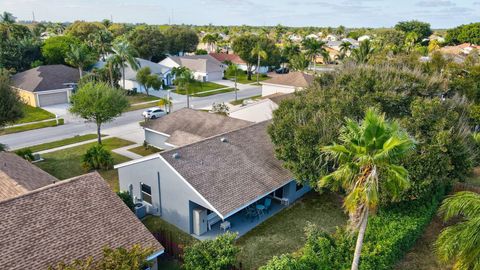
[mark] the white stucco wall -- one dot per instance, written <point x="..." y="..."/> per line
<point x="157" y="140"/>
<point x="257" y="112"/>
<point x="270" y="89"/>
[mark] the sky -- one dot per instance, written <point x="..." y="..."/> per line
<point x="352" y="13"/>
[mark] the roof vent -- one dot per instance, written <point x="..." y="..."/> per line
<point x="223" y="139"/>
<point x="176" y="155"/>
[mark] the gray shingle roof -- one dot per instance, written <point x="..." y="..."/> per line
<point x="44" y="78"/>
<point x="69" y="220"/>
<point x="296" y="79"/>
<point x="199" y="123"/>
<point x="18" y="176"/>
<point x="199" y="63"/>
<point x="231" y="174"/>
<point x="131" y="74"/>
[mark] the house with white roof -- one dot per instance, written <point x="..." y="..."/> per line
<point x="205" y="68"/>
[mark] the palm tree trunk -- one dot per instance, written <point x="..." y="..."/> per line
<point x="80" y="71"/>
<point x="123" y="75"/>
<point x="99" y="134"/>
<point x="258" y="66"/>
<point x="315" y="63"/>
<point x="110" y="72"/>
<point x="359" y="244"/>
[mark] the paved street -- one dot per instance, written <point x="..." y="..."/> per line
<point x="126" y="126"/>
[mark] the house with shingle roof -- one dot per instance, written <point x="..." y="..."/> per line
<point x="46" y="85"/>
<point x="71" y="219"/>
<point x="187" y="126"/>
<point x="239" y="62"/>
<point x="260" y="110"/>
<point x="230" y="181"/>
<point x="18" y="176"/>
<point x="205" y="68"/>
<point x="286" y="83"/>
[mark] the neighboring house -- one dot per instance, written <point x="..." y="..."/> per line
<point x="352" y="41"/>
<point x="331" y="37"/>
<point x="287" y="83"/>
<point x="187" y="126"/>
<point x="239" y="62"/>
<point x="364" y="37"/>
<point x="201" y="186"/>
<point x="205" y="68"/>
<point x="71" y="219"/>
<point x="46" y="85"/>
<point x="313" y="36"/>
<point x="295" y="38"/>
<point x="261" y="110"/>
<point x="162" y="71"/>
<point x="440" y="39"/>
<point x="18" y="176"/>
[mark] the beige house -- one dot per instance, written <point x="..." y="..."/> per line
<point x="46" y="85"/>
<point x="286" y="84"/>
<point x="205" y="68"/>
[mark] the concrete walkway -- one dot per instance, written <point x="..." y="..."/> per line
<point x="31" y="123"/>
<point x="124" y="151"/>
<point x="71" y="145"/>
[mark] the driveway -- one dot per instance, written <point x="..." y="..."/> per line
<point x="61" y="110"/>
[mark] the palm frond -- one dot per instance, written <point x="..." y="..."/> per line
<point x="464" y="203"/>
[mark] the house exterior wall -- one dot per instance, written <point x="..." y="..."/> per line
<point x="28" y="97"/>
<point x="171" y="195"/>
<point x="257" y="112"/>
<point x="290" y="191"/>
<point x="270" y="89"/>
<point x="214" y="76"/>
<point x="262" y="70"/>
<point x="156" y="139"/>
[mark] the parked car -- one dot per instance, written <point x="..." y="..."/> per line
<point x="282" y="70"/>
<point x="153" y="113"/>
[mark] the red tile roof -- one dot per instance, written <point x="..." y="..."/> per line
<point x="223" y="57"/>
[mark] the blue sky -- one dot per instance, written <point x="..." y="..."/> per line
<point x="353" y="13"/>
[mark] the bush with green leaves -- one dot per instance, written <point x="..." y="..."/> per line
<point x="26" y="154"/>
<point x="97" y="158"/>
<point x="127" y="199"/>
<point x="217" y="254"/>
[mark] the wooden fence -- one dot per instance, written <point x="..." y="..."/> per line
<point x="173" y="250"/>
<point x="457" y="187"/>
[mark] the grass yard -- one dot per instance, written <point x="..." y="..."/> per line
<point x="201" y="87"/>
<point x="284" y="232"/>
<point x="33" y="114"/>
<point x="140" y="97"/>
<point x="214" y="92"/>
<point x="243" y="78"/>
<point x="240" y="101"/>
<point x="11" y="130"/>
<point x="55" y="144"/>
<point x="67" y="163"/>
<point x="144" y="151"/>
<point x="142" y="106"/>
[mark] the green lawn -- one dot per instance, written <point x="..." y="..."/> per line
<point x="33" y="114"/>
<point x="240" y="101"/>
<point x="139" y="98"/>
<point x="55" y="144"/>
<point x="284" y="232"/>
<point x="142" y="151"/>
<point x="142" y="106"/>
<point x="243" y="78"/>
<point x="156" y="224"/>
<point x="200" y="87"/>
<point x="11" y="130"/>
<point x="214" y="92"/>
<point x="67" y="163"/>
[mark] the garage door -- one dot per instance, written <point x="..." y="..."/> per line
<point x="52" y="99"/>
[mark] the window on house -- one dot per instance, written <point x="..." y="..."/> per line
<point x="298" y="187"/>
<point x="146" y="193"/>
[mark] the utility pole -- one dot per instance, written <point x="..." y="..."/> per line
<point x="33" y="16"/>
<point x="236" y="89"/>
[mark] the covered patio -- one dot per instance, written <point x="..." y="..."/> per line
<point x="246" y="219"/>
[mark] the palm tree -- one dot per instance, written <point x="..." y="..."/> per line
<point x="345" y="47"/>
<point x="184" y="79"/>
<point x="7" y="18"/>
<point x="313" y="48"/>
<point x="102" y="42"/>
<point x="363" y="53"/>
<point x="460" y="243"/>
<point x="368" y="168"/>
<point x="261" y="54"/>
<point x="79" y="56"/>
<point x="167" y="103"/>
<point x="211" y="40"/>
<point x="124" y="53"/>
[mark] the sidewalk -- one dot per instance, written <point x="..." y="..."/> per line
<point x="124" y="151"/>
<point x="31" y="123"/>
<point x="70" y="145"/>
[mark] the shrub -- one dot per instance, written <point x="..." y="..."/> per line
<point x="96" y="158"/>
<point x="26" y="154"/>
<point x="127" y="199"/>
<point x="216" y="254"/>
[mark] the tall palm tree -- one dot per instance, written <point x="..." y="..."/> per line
<point x="313" y="49"/>
<point x="460" y="243"/>
<point x="211" y="40"/>
<point x="363" y="53"/>
<point x="102" y="42"/>
<point x="345" y="47"/>
<point x="80" y="56"/>
<point x="123" y="54"/>
<point x="184" y="79"/>
<point x="261" y="54"/>
<point x="7" y="18"/>
<point x="368" y="169"/>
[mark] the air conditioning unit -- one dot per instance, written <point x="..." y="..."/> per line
<point x="140" y="210"/>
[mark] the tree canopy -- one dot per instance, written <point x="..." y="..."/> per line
<point x="10" y="102"/>
<point x="149" y="42"/>
<point x="181" y="40"/>
<point x="469" y="33"/>
<point x="55" y="49"/>
<point x="422" y="29"/>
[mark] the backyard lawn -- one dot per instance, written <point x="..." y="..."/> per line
<point x="142" y="151"/>
<point x="55" y="144"/>
<point x="67" y="163"/>
<point x="284" y="232"/>
<point x="200" y="87"/>
<point x="243" y="78"/>
<point x="33" y="114"/>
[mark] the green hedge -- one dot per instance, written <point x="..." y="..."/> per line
<point x="390" y="234"/>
